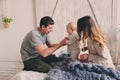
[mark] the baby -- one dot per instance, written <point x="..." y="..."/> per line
<point x="72" y="41"/>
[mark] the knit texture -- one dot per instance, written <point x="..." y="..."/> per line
<point x="69" y="70"/>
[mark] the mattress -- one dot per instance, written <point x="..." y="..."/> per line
<point x="29" y="75"/>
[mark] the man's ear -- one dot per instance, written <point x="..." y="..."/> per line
<point x="43" y="26"/>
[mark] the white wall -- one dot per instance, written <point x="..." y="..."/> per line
<point x="118" y="30"/>
<point x="105" y="14"/>
<point x="22" y="13"/>
<point x="118" y="12"/>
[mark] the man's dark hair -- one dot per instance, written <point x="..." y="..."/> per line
<point x="46" y="21"/>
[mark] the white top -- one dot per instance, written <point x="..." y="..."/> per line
<point x="99" y="55"/>
<point x="29" y="75"/>
<point x="81" y="47"/>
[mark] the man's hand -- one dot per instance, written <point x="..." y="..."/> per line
<point x="63" y="42"/>
<point x="66" y="38"/>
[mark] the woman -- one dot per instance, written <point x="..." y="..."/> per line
<point x="98" y="51"/>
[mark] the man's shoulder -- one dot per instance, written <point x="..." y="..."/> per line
<point x="35" y="32"/>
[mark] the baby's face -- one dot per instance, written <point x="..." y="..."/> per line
<point x="69" y="30"/>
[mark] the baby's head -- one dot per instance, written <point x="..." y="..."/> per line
<point x="71" y="27"/>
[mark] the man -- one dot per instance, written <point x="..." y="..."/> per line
<point x="35" y="55"/>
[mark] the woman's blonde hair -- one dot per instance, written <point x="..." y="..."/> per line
<point x="87" y="26"/>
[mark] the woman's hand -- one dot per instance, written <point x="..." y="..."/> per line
<point x="84" y="57"/>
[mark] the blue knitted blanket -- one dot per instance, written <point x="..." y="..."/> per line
<point x="69" y="70"/>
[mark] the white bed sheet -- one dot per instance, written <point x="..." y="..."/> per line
<point x="29" y="75"/>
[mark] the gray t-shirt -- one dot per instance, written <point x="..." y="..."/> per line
<point x="33" y="38"/>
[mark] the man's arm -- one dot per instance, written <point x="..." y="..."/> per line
<point x="48" y="51"/>
<point x="49" y="44"/>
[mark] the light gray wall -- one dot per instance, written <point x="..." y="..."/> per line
<point x="102" y="11"/>
<point x="22" y="13"/>
<point x="118" y="32"/>
<point x="1" y="10"/>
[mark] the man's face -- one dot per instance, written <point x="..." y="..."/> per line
<point x="48" y="29"/>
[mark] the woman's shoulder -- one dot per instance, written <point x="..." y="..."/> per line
<point x="96" y="43"/>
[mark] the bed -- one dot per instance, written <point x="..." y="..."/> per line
<point x="29" y="75"/>
<point x="81" y="71"/>
<point x="71" y="70"/>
